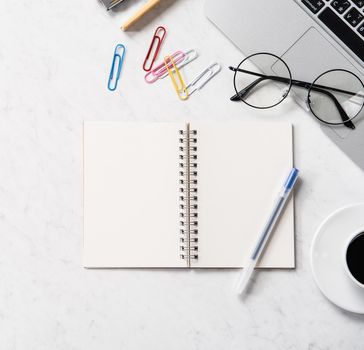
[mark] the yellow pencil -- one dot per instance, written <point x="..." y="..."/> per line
<point x="141" y="12"/>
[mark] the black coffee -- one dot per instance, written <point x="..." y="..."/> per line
<point x="355" y="257"/>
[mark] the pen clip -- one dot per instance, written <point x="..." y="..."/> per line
<point x="291" y="180"/>
<point x="201" y="79"/>
<point x="117" y="60"/>
<point x="172" y="72"/>
<point x="157" y="38"/>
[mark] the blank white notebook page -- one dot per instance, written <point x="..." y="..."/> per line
<point x="131" y="189"/>
<point x="241" y="168"/>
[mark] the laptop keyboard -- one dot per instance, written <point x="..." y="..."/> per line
<point x="344" y="18"/>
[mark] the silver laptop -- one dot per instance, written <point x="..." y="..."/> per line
<point x="311" y="36"/>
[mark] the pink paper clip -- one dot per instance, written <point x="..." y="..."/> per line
<point x="158" y="38"/>
<point x="161" y="69"/>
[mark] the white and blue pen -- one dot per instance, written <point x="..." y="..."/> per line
<point x="259" y="245"/>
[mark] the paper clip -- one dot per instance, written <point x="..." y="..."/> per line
<point x="190" y="55"/>
<point x="157" y="38"/>
<point x="180" y="59"/>
<point x="161" y="69"/>
<point x="201" y="80"/>
<point x="180" y="90"/>
<point x="117" y="59"/>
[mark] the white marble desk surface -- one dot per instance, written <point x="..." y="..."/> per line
<point x="54" y="63"/>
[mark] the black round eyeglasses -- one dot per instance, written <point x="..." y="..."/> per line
<point x="335" y="97"/>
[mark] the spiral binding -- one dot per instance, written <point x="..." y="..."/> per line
<point x="188" y="195"/>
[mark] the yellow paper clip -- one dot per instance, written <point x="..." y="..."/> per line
<point x="179" y="86"/>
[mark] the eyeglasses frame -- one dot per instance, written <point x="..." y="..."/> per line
<point x="309" y="86"/>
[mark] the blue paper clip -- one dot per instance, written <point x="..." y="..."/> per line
<point x="117" y="59"/>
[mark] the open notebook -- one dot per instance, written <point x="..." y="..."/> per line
<point x="184" y="194"/>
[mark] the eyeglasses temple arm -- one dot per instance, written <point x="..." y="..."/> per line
<point x="243" y="92"/>
<point x="344" y="117"/>
<point x="295" y="82"/>
<point x="321" y="89"/>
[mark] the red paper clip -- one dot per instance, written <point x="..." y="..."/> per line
<point x="157" y="39"/>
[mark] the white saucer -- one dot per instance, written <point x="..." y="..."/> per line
<point x="327" y="258"/>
